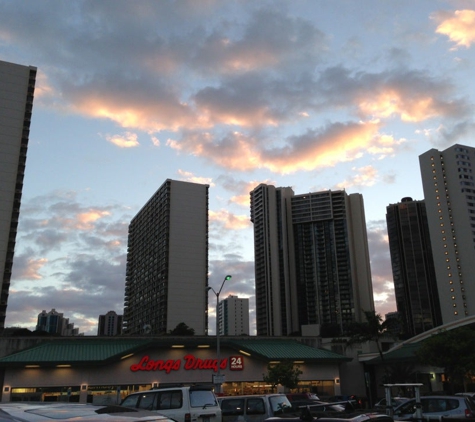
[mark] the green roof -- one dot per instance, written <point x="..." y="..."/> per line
<point x="287" y="350"/>
<point x="403" y="353"/>
<point x="90" y="351"/>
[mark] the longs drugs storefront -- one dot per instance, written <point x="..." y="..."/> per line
<point x="104" y="370"/>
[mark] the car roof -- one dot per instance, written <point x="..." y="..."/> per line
<point x="59" y="411"/>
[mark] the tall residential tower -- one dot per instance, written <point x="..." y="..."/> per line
<point x="167" y="261"/>
<point x="17" y="85"/>
<point x="311" y="260"/>
<point x="415" y="285"/>
<point x="234" y="316"/>
<point x="449" y="192"/>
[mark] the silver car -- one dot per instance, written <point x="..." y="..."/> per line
<point x="437" y="407"/>
<point x="62" y="412"/>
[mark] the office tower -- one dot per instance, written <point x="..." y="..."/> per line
<point x="109" y="324"/>
<point x="412" y="264"/>
<point x="311" y="260"/>
<point x="167" y="261"/>
<point x="17" y="85"/>
<point x="449" y="192"/>
<point x="53" y="322"/>
<point x="233" y="316"/>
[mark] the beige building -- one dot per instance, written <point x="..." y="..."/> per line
<point x="167" y="261"/>
<point x="17" y="85"/>
<point x="234" y="316"/>
<point x="449" y="193"/>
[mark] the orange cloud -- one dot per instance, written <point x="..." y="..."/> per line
<point x="459" y="26"/>
<point x="32" y="268"/>
<point x="391" y="102"/>
<point x="230" y="220"/>
<point x="127" y="140"/>
<point x="84" y="220"/>
<point x="363" y="176"/>
<point x="190" y="177"/>
<point x="338" y="143"/>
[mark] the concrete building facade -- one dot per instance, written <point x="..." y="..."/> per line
<point x="311" y="261"/>
<point x="167" y="262"/>
<point x="449" y="193"/>
<point x="415" y="284"/>
<point x="17" y="86"/>
<point x="109" y="324"/>
<point x="233" y="316"/>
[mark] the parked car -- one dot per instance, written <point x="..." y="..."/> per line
<point x="183" y="404"/>
<point x="459" y="407"/>
<point x="254" y="408"/>
<point x="59" y="411"/>
<point x="395" y="401"/>
<point x="340" y="417"/>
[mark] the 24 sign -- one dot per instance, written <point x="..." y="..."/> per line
<point x="236" y="363"/>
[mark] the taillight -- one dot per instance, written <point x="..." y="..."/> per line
<point x="187" y="417"/>
<point x="468" y="413"/>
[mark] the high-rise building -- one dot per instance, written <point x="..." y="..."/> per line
<point x="415" y="285"/>
<point x="311" y="260"/>
<point x="167" y="261"/>
<point x="53" y="322"/>
<point x="233" y="316"/>
<point x="17" y="85"/>
<point x="109" y="324"/>
<point x="449" y="194"/>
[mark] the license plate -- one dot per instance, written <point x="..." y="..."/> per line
<point x="206" y="419"/>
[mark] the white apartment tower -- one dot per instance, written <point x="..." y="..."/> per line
<point x="167" y="262"/>
<point x="312" y="267"/>
<point x="17" y="86"/>
<point x="233" y="316"/>
<point x="449" y="192"/>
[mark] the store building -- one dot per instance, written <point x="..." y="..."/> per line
<point x="104" y="370"/>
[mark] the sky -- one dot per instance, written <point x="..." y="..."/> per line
<point x="311" y="94"/>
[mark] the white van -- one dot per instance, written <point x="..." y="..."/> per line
<point x="254" y="408"/>
<point x="183" y="404"/>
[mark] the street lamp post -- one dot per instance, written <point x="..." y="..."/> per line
<point x="217" y="377"/>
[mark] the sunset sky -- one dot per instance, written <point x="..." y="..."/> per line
<point x="312" y="94"/>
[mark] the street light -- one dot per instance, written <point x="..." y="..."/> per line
<point x="218" y="380"/>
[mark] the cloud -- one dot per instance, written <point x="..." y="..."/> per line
<point x="383" y="285"/>
<point x="363" y="176"/>
<point x="325" y="147"/>
<point x="458" y="25"/>
<point x="229" y="220"/>
<point x="126" y="140"/>
<point x="190" y="177"/>
<point x="28" y="268"/>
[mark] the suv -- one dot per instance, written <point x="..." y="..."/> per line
<point x="254" y="408"/>
<point x="183" y="404"/>
<point x="459" y="407"/>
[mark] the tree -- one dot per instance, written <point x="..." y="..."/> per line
<point x="453" y="350"/>
<point x="182" y="330"/>
<point x="372" y="330"/>
<point x="282" y="373"/>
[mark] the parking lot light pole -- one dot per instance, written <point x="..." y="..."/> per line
<point x="217" y="377"/>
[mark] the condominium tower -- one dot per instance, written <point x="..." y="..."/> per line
<point x="311" y="260"/>
<point x="109" y="324"/>
<point x="167" y="261"/>
<point x="234" y="316"/>
<point x="449" y="192"/>
<point x="17" y="85"/>
<point x="415" y="285"/>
